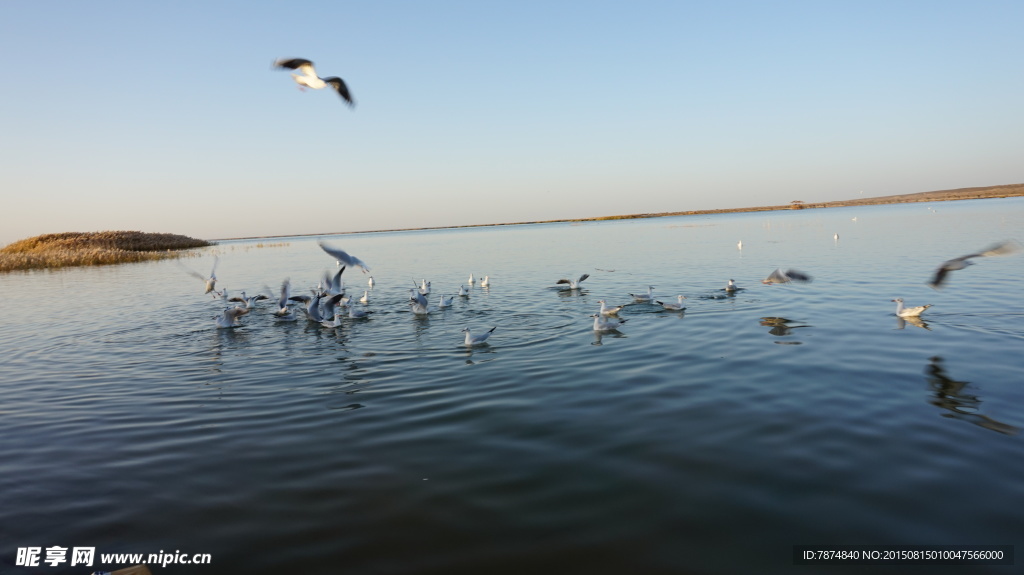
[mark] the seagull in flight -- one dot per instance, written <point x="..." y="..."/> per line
<point x="309" y="78"/>
<point x="211" y="281"/>
<point x="573" y="284"/>
<point x="783" y="277"/>
<point x="343" y="257"/>
<point x="1000" y="249"/>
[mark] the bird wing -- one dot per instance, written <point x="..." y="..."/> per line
<point x="798" y="276"/>
<point x="940" y="276"/>
<point x="583" y="277"/>
<point x="1000" y="249"/>
<point x="343" y="257"/>
<point x="286" y="288"/>
<point x="563" y="281"/>
<point x="233" y="312"/>
<point x="339" y="86"/>
<point x="293" y="63"/>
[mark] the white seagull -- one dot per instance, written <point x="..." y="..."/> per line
<point x="781" y="277"/>
<point x="211" y="281"/>
<point x="309" y="78"/>
<point x="486" y="282"/>
<point x="645" y="298"/>
<point x="1000" y="249"/>
<point x="230" y="317"/>
<point x="605" y="310"/>
<point x="739" y="245"/>
<point x="471" y="280"/>
<point x="445" y="301"/>
<point x="674" y="306"/>
<point x="478" y="339"/>
<point x="365" y="298"/>
<point x="282" y="302"/>
<point x="732" y="286"/>
<point x="602" y="323"/>
<point x="343" y="257"/>
<point x="573" y="284"/>
<point x="909" y="311"/>
<point x="370" y="282"/>
<point x="248" y="301"/>
<point x="463" y="291"/>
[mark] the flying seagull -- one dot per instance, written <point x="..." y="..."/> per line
<point x="343" y="257"/>
<point x="1000" y="249"/>
<point x="782" y="277"/>
<point x="573" y="284"/>
<point x="309" y="79"/>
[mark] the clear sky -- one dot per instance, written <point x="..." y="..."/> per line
<point x="167" y="116"/>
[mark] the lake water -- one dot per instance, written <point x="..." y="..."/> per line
<point x="710" y="441"/>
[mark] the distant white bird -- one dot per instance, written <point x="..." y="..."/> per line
<point x="486" y="282"/>
<point x="644" y="298"/>
<point x="370" y="282"/>
<point x="835" y="237"/>
<point x="478" y="339"/>
<point x="781" y="277"/>
<point x="739" y="245"/>
<point x="573" y="284"/>
<point x="344" y="258"/>
<point x="909" y="311"/>
<point x="471" y="280"/>
<point x="365" y="298"/>
<point x="731" y="286"/>
<point x="1000" y="249"/>
<point x="230" y="317"/>
<point x="309" y="78"/>
<point x="445" y="301"/>
<point x="602" y="323"/>
<point x="605" y="310"/>
<point x="674" y="306"/>
<point x="424" y="287"/>
<point x="463" y="291"/>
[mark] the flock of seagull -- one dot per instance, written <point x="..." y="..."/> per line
<point x="329" y="305"/>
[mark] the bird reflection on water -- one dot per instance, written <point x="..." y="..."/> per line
<point x="781" y="327"/>
<point x="949" y="395"/>
<point x="901" y="322"/>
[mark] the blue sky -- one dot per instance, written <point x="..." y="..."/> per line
<point x="167" y="117"/>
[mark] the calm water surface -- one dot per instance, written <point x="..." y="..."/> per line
<point x="709" y="441"/>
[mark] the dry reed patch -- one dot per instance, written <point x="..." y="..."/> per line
<point x="93" y="249"/>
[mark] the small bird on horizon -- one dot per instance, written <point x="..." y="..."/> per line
<point x="309" y="78"/>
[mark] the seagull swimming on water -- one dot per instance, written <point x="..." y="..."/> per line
<point x="344" y="258"/>
<point x="731" y="286"/>
<point x="478" y="339"/>
<point x="909" y="311"/>
<point x="645" y="298"/>
<point x="605" y="310"/>
<point x="309" y="78"/>
<point x="1000" y="249"/>
<point x="573" y="284"/>
<point x="674" y="306"/>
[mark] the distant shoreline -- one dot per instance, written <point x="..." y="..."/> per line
<point x="985" y="192"/>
